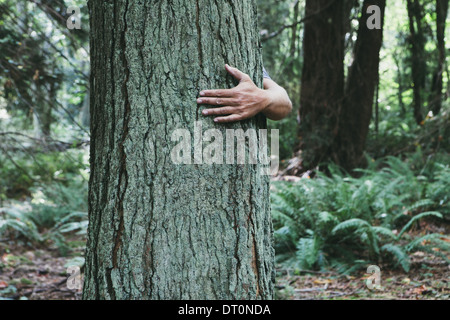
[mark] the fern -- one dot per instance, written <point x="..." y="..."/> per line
<point x="308" y="252"/>
<point x="385" y="232"/>
<point x="435" y="240"/>
<point x="418" y="217"/>
<point x="420" y="204"/>
<point x="345" y="219"/>
<point x="351" y="224"/>
<point x="27" y="230"/>
<point x="73" y="226"/>
<point x="16" y="221"/>
<point x="400" y="255"/>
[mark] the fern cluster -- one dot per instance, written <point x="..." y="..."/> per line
<point x="53" y="211"/>
<point x="345" y="222"/>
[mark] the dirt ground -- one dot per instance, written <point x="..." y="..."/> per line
<point x="35" y="274"/>
<point x="429" y="279"/>
<point x="41" y="274"/>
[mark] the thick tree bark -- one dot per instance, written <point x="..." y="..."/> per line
<point x="356" y="112"/>
<point x="159" y="230"/>
<point x="322" y="79"/>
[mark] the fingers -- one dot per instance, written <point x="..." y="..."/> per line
<point x="218" y="101"/>
<point x="219" y="111"/>
<point x="229" y="99"/>
<point x="227" y="93"/>
<point x="237" y="74"/>
<point x="222" y="93"/>
<point x="229" y="112"/>
<point x="230" y="118"/>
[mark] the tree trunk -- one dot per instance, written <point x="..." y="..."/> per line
<point x="418" y="62"/>
<point x="294" y="37"/>
<point x="335" y="120"/>
<point x="441" y="17"/>
<point x="362" y="80"/>
<point x="400" y="84"/>
<point x="322" y="79"/>
<point x="159" y="230"/>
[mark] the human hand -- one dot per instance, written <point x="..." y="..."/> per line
<point x="239" y="103"/>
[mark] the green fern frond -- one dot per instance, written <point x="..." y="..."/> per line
<point x="351" y="224"/>
<point x="72" y="226"/>
<point x="308" y="252"/>
<point x="384" y="231"/>
<point x="435" y="239"/>
<point x="27" y="229"/>
<point x="421" y="204"/>
<point x="400" y="255"/>
<point x="418" y="217"/>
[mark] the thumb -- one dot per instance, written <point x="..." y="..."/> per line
<point x="236" y="73"/>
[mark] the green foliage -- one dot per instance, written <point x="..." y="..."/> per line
<point x="20" y="223"/>
<point x="400" y="255"/>
<point x="13" y="220"/>
<point x="336" y="220"/>
<point x="283" y="60"/>
<point x="56" y="201"/>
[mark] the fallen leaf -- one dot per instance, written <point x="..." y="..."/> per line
<point x="422" y="290"/>
<point x="3" y="285"/>
<point x="325" y="281"/>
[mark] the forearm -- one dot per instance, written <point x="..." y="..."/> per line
<point x="280" y="105"/>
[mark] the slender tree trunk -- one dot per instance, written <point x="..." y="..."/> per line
<point x="400" y="84"/>
<point x="441" y="17"/>
<point x="362" y="80"/>
<point x="322" y="79"/>
<point x="158" y="230"/>
<point x="294" y="38"/>
<point x="418" y="62"/>
<point x="377" y="106"/>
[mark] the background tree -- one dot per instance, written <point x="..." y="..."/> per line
<point x="417" y="27"/>
<point x="334" y="121"/>
<point x="322" y="79"/>
<point x="357" y="107"/>
<point x="159" y="230"/>
<point x="437" y="85"/>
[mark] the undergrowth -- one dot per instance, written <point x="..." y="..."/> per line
<point x="345" y="223"/>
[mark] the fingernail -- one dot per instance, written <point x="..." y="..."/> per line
<point x="205" y="113"/>
<point x="202" y="93"/>
<point x="199" y="100"/>
<point x="216" y="120"/>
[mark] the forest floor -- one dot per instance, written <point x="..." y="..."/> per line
<point x="41" y="274"/>
<point x="429" y="279"/>
<point x="37" y="273"/>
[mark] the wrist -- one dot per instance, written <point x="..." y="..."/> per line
<point x="267" y="100"/>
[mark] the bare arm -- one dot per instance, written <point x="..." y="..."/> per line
<point x="246" y="100"/>
<point x="280" y="105"/>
